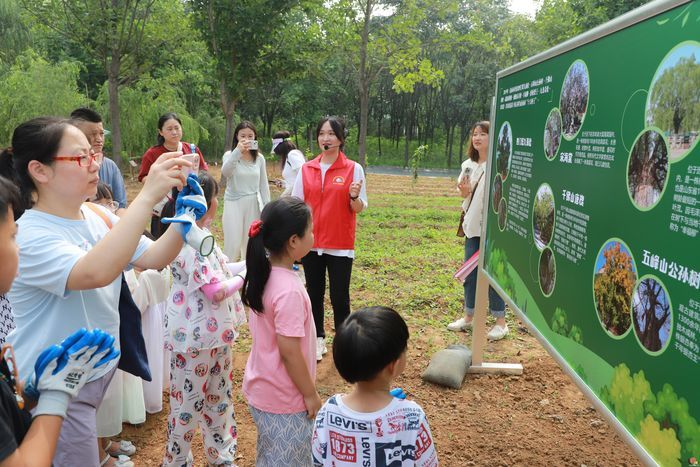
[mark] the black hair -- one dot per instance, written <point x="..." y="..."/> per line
<point x="161" y="121"/>
<point x="484" y="126"/>
<point x="103" y="192"/>
<point x="209" y="186"/>
<point x="285" y="147"/>
<point x="9" y="198"/>
<point x="281" y="219"/>
<point x="34" y="140"/>
<point x="338" y="126"/>
<point x="241" y="126"/>
<point x="367" y="341"/>
<point x="86" y="115"/>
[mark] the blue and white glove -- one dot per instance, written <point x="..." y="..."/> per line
<point x="62" y="370"/>
<point x="190" y="206"/>
<point x="398" y="393"/>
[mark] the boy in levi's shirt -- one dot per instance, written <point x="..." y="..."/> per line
<point x="370" y="427"/>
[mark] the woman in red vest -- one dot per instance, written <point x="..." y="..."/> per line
<point x="334" y="187"/>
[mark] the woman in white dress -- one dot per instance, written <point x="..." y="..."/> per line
<point x="291" y="160"/>
<point x="246" y="189"/>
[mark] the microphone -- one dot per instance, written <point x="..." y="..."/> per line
<point x="327" y="147"/>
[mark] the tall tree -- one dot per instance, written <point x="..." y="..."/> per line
<point x="240" y="35"/>
<point x="14" y="35"/>
<point x="111" y="30"/>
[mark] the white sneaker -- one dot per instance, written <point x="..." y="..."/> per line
<point x="460" y="325"/>
<point x="321" y="348"/>
<point x="497" y="333"/>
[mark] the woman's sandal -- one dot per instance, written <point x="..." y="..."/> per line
<point x="125" y="448"/>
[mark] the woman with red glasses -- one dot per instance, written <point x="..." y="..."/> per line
<point x="70" y="260"/>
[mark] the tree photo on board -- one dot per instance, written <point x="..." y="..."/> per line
<point x="652" y="314"/>
<point x="574" y="99"/>
<point x="504" y="147"/>
<point x="612" y="287"/>
<point x="647" y="171"/>
<point x="543" y="216"/>
<point x="674" y="101"/>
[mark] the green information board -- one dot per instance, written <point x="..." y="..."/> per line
<point x="593" y="230"/>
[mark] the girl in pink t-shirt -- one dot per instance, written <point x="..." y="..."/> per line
<point x="279" y="380"/>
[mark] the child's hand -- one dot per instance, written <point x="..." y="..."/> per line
<point x="313" y="405"/>
<point x="219" y="296"/>
<point x="464" y="188"/>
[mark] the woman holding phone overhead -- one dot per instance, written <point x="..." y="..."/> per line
<point x="333" y="186"/>
<point x="169" y="140"/>
<point x="246" y="189"/>
<point x="71" y="261"/>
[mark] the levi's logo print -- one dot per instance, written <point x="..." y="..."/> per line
<point x="338" y="180"/>
<point x="393" y="454"/>
<point x="349" y="424"/>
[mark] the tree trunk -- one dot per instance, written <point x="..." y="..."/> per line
<point x="113" y="89"/>
<point x="310" y="138"/>
<point x="450" y="139"/>
<point x="379" y="135"/>
<point x="228" y="105"/>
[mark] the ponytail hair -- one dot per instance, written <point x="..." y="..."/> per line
<point x="285" y="147"/>
<point x="279" y="221"/>
<point x="34" y="140"/>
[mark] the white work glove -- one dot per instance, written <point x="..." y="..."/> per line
<point x="62" y="370"/>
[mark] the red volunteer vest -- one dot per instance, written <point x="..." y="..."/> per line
<point x="334" y="220"/>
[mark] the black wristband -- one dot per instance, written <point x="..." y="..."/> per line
<point x="354" y="198"/>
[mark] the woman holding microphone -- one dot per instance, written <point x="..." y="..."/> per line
<point x="334" y="187"/>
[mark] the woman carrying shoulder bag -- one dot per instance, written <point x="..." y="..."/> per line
<point x="471" y="185"/>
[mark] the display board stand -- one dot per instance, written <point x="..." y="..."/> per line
<point x="478" y="365"/>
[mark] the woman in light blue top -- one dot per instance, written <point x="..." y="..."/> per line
<point x="247" y="190"/>
<point x="70" y="260"/>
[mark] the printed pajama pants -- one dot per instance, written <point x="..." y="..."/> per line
<point x="200" y="394"/>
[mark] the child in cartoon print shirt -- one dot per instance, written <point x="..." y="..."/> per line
<point x="200" y="332"/>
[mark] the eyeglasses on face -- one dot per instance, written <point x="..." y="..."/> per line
<point x="113" y="206"/>
<point x="84" y="160"/>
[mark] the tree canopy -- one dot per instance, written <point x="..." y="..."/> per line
<point x="402" y="73"/>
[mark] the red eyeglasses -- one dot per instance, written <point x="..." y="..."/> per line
<point x="84" y="160"/>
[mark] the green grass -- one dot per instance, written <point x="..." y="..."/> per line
<point x="406" y="253"/>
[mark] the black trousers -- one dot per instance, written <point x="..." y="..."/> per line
<point x="339" y="271"/>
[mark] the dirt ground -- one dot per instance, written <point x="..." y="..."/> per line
<point x="539" y="418"/>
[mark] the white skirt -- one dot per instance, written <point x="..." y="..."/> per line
<point x="236" y="220"/>
<point x="158" y="357"/>
<point x="122" y="403"/>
